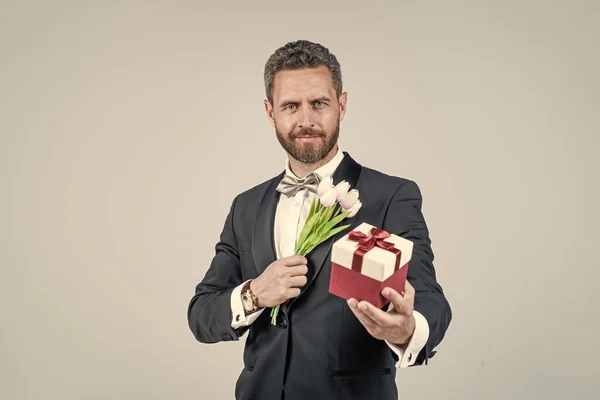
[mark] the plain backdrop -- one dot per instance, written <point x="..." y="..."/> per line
<point x="128" y="127"/>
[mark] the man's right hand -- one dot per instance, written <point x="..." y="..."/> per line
<point x="280" y="281"/>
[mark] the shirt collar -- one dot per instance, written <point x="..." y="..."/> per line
<point x="324" y="170"/>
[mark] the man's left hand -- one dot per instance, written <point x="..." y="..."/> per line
<point x="397" y="324"/>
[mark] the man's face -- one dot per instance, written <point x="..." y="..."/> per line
<point x="306" y="113"/>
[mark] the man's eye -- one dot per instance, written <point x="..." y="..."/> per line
<point x="319" y="104"/>
<point x="290" y="107"/>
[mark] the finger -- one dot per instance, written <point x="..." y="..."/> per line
<point x="298" y="281"/>
<point x="390" y="307"/>
<point x="397" y="299"/>
<point x="294" y="260"/>
<point x="380" y="317"/>
<point x="298" y="270"/>
<point x="361" y="316"/>
<point x="354" y="306"/>
<point x="292" y="292"/>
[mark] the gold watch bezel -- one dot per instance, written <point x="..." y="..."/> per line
<point x="249" y="298"/>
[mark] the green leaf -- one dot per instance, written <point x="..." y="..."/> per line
<point x="302" y="245"/>
<point x="299" y="246"/>
<point x="327" y="236"/>
<point x="312" y="240"/>
<point x="326" y="216"/>
<point x="315" y="240"/>
<point x="320" y="206"/>
<point x="308" y="227"/>
<point x="309" y="244"/>
<point x="337" y="211"/>
<point x="334" y="221"/>
<point x="318" y="226"/>
<point x="325" y="221"/>
<point x="331" y="210"/>
<point x="302" y="250"/>
<point x="309" y="249"/>
<point x="335" y="231"/>
<point x="313" y="208"/>
<point x="321" y="214"/>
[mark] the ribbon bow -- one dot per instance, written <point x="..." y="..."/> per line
<point x="366" y="243"/>
<point x="377" y="237"/>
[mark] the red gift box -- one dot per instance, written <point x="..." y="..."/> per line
<point x="365" y="261"/>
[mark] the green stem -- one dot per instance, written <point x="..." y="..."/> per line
<point x="274" y="312"/>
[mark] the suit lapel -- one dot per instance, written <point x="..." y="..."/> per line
<point x="263" y="238"/>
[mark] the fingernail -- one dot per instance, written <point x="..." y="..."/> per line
<point x="386" y="292"/>
<point x="363" y="306"/>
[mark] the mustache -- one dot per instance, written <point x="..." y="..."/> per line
<point x="307" y="132"/>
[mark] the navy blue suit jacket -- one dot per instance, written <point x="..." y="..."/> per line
<point x="318" y="350"/>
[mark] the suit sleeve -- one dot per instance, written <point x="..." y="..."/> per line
<point x="209" y="311"/>
<point x="404" y="218"/>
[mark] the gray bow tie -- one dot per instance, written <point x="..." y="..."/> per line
<point x="290" y="185"/>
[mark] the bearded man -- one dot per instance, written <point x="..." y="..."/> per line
<point x="322" y="346"/>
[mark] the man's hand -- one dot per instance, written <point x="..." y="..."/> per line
<point x="280" y="281"/>
<point x="397" y="324"/>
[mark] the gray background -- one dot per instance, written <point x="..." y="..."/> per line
<point x="127" y="128"/>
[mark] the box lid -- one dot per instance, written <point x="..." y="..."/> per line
<point x="377" y="263"/>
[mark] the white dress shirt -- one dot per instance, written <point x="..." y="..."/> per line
<point x="286" y="233"/>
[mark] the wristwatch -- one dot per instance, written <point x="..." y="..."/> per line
<point x="249" y="300"/>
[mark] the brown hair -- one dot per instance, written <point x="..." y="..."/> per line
<point x="298" y="55"/>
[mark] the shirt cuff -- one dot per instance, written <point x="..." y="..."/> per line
<point x="407" y="354"/>
<point x="239" y="317"/>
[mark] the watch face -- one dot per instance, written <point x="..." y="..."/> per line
<point x="247" y="301"/>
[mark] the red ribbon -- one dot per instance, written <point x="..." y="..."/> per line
<point x="366" y="243"/>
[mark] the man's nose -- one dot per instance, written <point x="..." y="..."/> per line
<point x="306" y="117"/>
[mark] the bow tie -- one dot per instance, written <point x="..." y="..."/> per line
<point x="290" y="185"/>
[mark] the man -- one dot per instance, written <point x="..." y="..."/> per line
<point x="322" y="347"/>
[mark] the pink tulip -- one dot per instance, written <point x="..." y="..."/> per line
<point x="328" y="198"/>
<point x="341" y="189"/>
<point x="349" y="199"/>
<point x="326" y="183"/>
<point x="354" y="209"/>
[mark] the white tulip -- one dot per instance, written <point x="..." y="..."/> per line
<point x="326" y="183"/>
<point x="349" y="199"/>
<point x="328" y="198"/>
<point x="341" y="189"/>
<point x="354" y="209"/>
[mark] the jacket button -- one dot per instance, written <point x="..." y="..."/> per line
<point x="284" y="323"/>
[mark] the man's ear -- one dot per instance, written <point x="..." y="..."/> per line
<point x="269" y="110"/>
<point x="342" y="103"/>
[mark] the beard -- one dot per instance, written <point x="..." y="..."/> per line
<point x="309" y="153"/>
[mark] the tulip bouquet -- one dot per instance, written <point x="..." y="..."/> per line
<point x="323" y="217"/>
